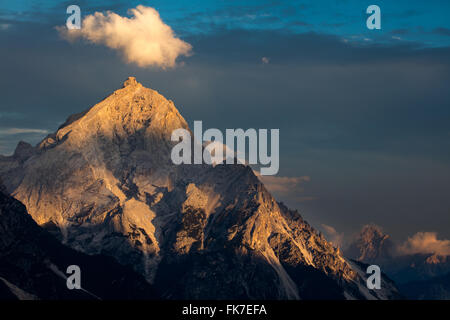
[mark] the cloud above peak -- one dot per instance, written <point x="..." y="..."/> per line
<point x="143" y="39"/>
<point x="425" y="243"/>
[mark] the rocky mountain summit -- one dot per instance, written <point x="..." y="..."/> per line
<point x="104" y="183"/>
<point x="418" y="275"/>
<point x="33" y="264"/>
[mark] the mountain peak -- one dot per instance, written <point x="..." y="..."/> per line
<point x="131" y="81"/>
<point x="23" y="150"/>
<point x="105" y="183"/>
<point x="372" y="231"/>
<point x="133" y="115"/>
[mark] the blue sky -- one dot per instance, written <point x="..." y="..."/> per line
<point x="426" y="22"/>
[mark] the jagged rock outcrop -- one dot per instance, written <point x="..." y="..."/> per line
<point x="371" y="245"/>
<point x="104" y="183"/>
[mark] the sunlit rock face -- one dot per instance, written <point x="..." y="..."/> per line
<point x="104" y="183"/>
<point x="371" y="245"/>
<point x="33" y="264"/>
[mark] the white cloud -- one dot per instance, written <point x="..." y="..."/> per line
<point x="11" y="131"/>
<point x="143" y="39"/>
<point x="425" y="243"/>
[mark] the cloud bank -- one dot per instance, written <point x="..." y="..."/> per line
<point x="425" y="243"/>
<point x="143" y="39"/>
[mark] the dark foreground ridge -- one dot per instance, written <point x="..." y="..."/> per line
<point x="30" y="259"/>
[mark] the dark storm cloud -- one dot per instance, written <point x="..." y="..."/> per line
<point x="368" y="123"/>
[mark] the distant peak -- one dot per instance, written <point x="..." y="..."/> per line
<point x="23" y="150"/>
<point x="372" y="245"/>
<point x="131" y="81"/>
<point x="372" y="230"/>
